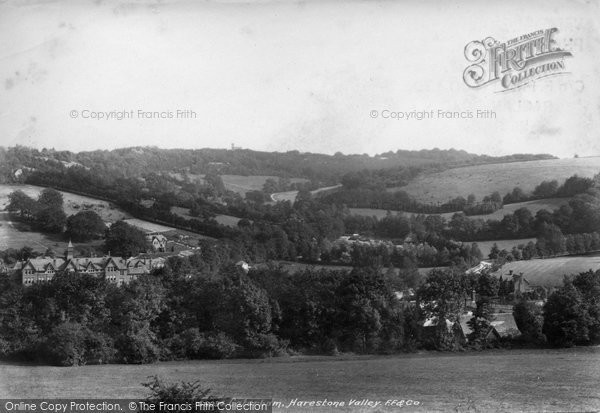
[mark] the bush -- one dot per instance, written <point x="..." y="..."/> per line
<point x="172" y="393"/>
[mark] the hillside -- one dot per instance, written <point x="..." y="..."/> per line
<point x="18" y="235"/>
<point x="328" y="169"/>
<point x="550" y="271"/>
<point x="549" y="204"/>
<point x="482" y="180"/>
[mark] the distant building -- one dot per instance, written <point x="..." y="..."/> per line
<point x="117" y="270"/>
<point x="481" y="267"/>
<point x="442" y="334"/>
<point x="489" y="336"/>
<point x="157" y="241"/>
<point x="520" y="283"/>
<point x="243" y="265"/>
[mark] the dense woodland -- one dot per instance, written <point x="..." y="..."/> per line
<point x="198" y="308"/>
<point x="205" y="307"/>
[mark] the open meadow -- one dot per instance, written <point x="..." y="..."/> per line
<point x="549" y="204"/>
<point x="482" y="180"/>
<point x="291" y="195"/>
<point x="551" y="271"/>
<point x="239" y="183"/>
<point x="564" y="380"/>
<point x="504" y="244"/>
<point x="227" y="220"/>
<point x="18" y="235"/>
<point x="73" y="203"/>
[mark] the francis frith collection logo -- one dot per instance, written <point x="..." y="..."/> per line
<point x="516" y="62"/>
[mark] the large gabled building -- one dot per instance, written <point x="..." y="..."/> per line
<point x="117" y="270"/>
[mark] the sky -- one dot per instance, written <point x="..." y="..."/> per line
<point x="314" y="76"/>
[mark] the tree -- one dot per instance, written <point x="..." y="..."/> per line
<point x="134" y="308"/>
<point x="496" y="198"/>
<point x="480" y="323"/>
<point x="22" y="203"/>
<point x="442" y="295"/>
<point x="85" y="226"/>
<point x="551" y="240"/>
<point x="242" y="311"/>
<point x="124" y="240"/>
<point x="547" y="189"/>
<point x="256" y="197"/>
<point x="50" y="216"/>
<point x="565" y="317"/>
<point x="51" y="219"/>
<point x="529" y="320"/>
<point x="494" y="251"/>
<point x="50" y="198"/>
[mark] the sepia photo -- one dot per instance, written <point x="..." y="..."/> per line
<point x="299" y="206"/>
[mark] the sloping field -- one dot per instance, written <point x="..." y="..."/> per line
<point x="228" y="220"/>
<point x="291" y="195"/>
<point x="550" y="271"/>
<point x="504" y="244"/>
<point x="17" y="235"/>
<point x="240" y="183"/>
<point x="564" y="380"/>
<point x="549" y="204"/>
<point x="72" y="203"/>
<point x="482" y="180"/>
<point x="148" y="226"/>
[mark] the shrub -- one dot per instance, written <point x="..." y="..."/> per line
<point x="173" y="393"/>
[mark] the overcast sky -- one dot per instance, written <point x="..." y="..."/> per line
<point x="286" y="75"/>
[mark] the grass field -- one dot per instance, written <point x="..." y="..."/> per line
<point x="240" y="183"/>
<point x="228" y="220"/>
<point x="551" y="271"/>
<point x="291" y="195"/>
<point x="17" y="235"/>
<point x="563" y="380"/>
<point x="549" y="204"/>
<point x="504" y="244"/>
<point x="482" y="180"/>
<point x="72" y="203"/>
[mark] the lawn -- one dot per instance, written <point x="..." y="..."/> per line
<point x="482" y="180"/>
<point x="551" y="271"/>
<point x="563" y="380"/>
